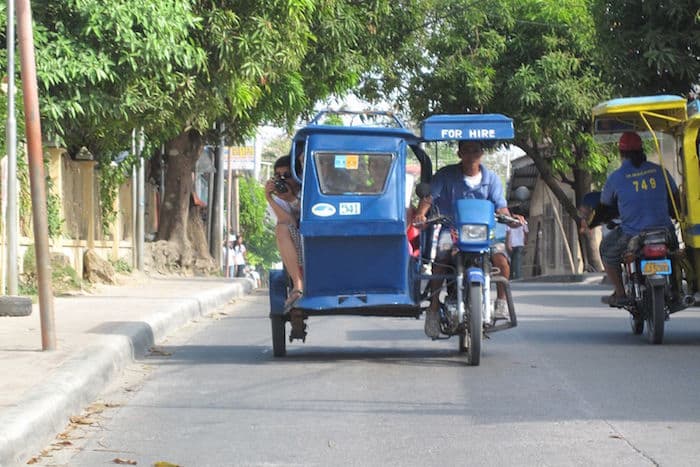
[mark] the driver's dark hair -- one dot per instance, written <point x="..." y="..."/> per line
<point x="283" y="161"/>
<point x="462" y="142"/>
<point x="636" y="157"/>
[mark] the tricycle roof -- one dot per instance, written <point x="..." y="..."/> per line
<point x="402" y="133"/>
<point x="633" y="113"/>
<point x="467" y="127"/>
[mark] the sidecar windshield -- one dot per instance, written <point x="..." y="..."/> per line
<point x="352" y="173"/>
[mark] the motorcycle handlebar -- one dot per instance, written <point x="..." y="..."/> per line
<point x="504" y="219"/>
<point x="430" y="220"/>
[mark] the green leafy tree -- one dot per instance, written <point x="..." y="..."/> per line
<point x="259" y="232"/>
<point x="532" y="60"/>
<point x="649" y="46"/>
<point x="175" y="67"/>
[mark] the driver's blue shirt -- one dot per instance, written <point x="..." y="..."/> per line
<point x="640" y="195"/>
<point x="448" y="185"/>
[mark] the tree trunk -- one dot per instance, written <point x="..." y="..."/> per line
<point x="180" y="222"/>
<point x="548" y="178"/>
<point x="582" y="185"/>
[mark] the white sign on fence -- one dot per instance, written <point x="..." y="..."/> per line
<point x="240" y="157"/>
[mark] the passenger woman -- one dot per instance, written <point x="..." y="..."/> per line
<point x="283" y="194"/>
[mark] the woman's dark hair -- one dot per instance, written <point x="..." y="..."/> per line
<point x="636" y="157"/>
<point x="283" y="161"/>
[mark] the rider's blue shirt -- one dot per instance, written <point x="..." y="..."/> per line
<point x="448" y="185"/>
<point x="640" y="195"/>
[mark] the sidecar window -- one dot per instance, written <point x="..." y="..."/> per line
<point x="352" y="173"/>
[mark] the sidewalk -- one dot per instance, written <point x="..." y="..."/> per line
<point x="97" y="336"/>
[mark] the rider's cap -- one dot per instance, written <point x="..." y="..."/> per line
<point x="630" y="141"/>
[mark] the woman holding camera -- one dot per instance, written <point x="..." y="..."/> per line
<point x="283" y="195"/>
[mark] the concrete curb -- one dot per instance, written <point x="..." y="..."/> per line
<point x="34" y="421"/>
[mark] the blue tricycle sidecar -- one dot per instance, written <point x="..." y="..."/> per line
<point x="358" y="257"/>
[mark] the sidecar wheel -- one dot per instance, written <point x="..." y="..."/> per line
<point x="279" y="342"/>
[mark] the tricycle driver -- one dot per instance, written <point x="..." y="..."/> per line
<point x="638" y="192"/>
<point x="466" y="179"/>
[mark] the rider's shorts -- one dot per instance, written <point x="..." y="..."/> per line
<point x="500" y="249"/>
<point x="613" y="246"/>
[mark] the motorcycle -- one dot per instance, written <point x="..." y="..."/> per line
<point x="467" y="309"/>
<point x="647" y="276"/>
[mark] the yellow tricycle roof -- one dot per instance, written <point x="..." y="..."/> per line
<point x="658" y="113"/>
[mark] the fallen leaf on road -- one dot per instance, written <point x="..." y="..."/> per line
<point x="119" y="460"/>
<point x="33" y="460"/>
<point x="616" y="436"/>
<point x="159" y="352"/>
<point x="63" y="443"/>
<point x="80" y="420"/>
<point x="165" y="464"/>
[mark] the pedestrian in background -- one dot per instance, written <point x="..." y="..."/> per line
<point x="516" y="238"/>
<point x="227" y="254"/>
<point x="239" y="256"/>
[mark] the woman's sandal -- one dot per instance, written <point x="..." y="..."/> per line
<point x="294" y="295"/>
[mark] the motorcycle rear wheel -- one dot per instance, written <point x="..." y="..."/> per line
<point x="655" y="313"/>
<point x="637" y="324"/>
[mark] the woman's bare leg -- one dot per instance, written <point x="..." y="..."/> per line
<point x="288" y="252"/>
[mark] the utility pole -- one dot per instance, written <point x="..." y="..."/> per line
<point x="134" y="204"/>
<point x="216" y="240"/>
<point x="11" y="132"/>
<point x="229" y="207"/>
<point x="236" y="205"/>
<point x="36" y="173"/>
<point x="141" y="205"/>
<point x="228" y="214"/>
<point x="211" y="176"/>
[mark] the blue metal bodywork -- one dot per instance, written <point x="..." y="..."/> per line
<point x="355" y="246"/>
<point x="475" y="212"/>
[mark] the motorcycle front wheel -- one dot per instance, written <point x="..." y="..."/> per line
<point x="655" y="309"/>
<point x="474" y="324"/>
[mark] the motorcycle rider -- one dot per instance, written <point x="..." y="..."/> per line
<point x="638" y="192"/>
<point x="467" y="179"/>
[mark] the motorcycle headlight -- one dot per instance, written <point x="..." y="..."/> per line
<point x="470" y="233"/>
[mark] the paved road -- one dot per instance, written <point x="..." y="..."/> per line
<point x="570" y="386"/>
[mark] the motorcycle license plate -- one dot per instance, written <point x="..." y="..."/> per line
<point x="656" y="266"/>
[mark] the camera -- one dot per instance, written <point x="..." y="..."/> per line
<point x="281" y="186"/>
